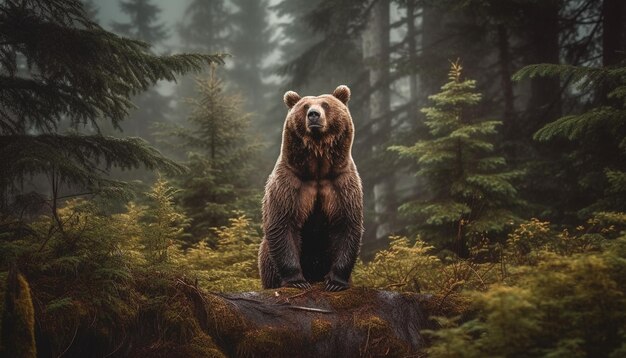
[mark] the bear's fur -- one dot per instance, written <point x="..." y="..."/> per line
<point x="313" y="203"/>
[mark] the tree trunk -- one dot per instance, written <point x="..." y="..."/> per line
<point x="288" y="322"/>
<point x="542" y="28"/>
<point x="433" y="54"/>
<point x="613" y="42"/>
<point x="411" y="35"/>
<point x="504" y="58"/>
<point x="376" y="57"/>
<point x="613" y="32"/>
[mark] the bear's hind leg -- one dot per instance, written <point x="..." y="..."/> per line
<point x="267" y="271"/>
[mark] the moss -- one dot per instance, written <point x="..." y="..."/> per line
<point x="445" y="305"/>
<point x="282" y="292"/>
<point x="381" y="339"/>
<point x="3" y="279"/>
<point x="18" y="321"/>
<point x="320" y="328"/>
<point x="370" y="322"/>
<point x="267" y="341"/>
<point x="203" y="346"/>
<point x="223" y="318"/>
<point x="357" y="297"/>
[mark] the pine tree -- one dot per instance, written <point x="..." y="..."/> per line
<point x="91" y="9"/>
<point x="165" y="226"/>
<point x="232" y="264"/>
<point x="221" y="155"/>
<point x="60" y="69"/>
<point x="205" y="26"/>
<point x="322" y="46"/>
<point x="143" y="23"/>
<point x="250" y="44"/>
<point x="471" y="195"/>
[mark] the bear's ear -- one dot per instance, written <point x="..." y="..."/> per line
<point x="291" y="98"/>
<point x="342" y="93"/>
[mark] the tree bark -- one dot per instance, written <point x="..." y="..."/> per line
<point x="613" y="32"/>
<point x="376" y="57"/>
<point x="542" y="28"/>
<point x="411" y="34"/>
<point x="613" y="42"/>
<point x="288" y="322"/>
<point x="504" y="58"/>
<point x="432" y="54"/>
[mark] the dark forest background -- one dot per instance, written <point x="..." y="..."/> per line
<point x="490" y="138"/>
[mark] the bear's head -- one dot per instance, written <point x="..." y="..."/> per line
<point x="320" y="121"/>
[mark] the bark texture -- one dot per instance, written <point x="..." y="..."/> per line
<point x="288" y="322"/>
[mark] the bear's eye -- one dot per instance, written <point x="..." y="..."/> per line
<point x="325" y="106"/>
<point x="306" y="107"/>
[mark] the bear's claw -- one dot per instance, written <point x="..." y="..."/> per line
<point x="334" y="286"/>
<point x="304" y="285"/>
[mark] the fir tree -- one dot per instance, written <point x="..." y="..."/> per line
<point x="205" y="26"/>
<point x="221" y="155"/>
<point x="232" y="264"/>
<point x="251" y="43"/>
<point x="470" y="195"/>
<point x="143" y="24"/>
<point x="321" y="46"/>
<point x="165" y="224"/>
<point x="598" y="161"/>
<point x="77" y="75"/>
<point x="91" y="9"/>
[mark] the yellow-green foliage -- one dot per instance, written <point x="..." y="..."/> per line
<point x="105" y="271"/>
<point x="232" y="265"/>
<point x="531" y="239"/>
<point x="320" y="328"/>
<point x="404" y="266"/>
<point x="18" y="320"/>
<point x="165" y="224"/>
<point x="567" y="301"/>
<point x="411" y="266"/>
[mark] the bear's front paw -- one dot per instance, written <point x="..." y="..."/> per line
<point x="336" y="284"/>
<point x="297" y="283"/>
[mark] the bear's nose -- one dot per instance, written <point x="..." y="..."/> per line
<point x="313" y="114"/>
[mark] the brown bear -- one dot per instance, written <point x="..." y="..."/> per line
<point x="313" y="203"/>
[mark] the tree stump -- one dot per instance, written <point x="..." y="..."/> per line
<point x="287" y="322"/>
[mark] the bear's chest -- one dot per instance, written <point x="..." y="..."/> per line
<point x="318" y="169"/>
<point x="318" y="198"/>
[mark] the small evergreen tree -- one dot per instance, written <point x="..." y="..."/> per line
<point x="221" y="155"/>
<point x="232" y="264"/>
<point x="470" y="194"/>
<point x="165" y="224"/>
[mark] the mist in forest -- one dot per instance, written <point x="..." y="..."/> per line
<point x="137" y="137"/>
